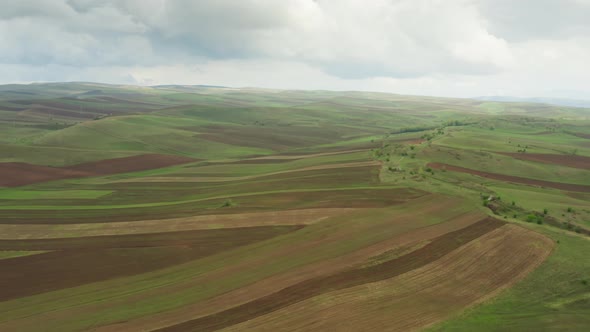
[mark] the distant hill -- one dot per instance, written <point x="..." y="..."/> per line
<point x="542" y="100"/>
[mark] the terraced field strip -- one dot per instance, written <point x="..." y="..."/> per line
<point x="249" y="177"/>
<point x="514" y="179"/>
<point x="335" y="244"/>
<point x="20" y="174"/>
<point x="403" y="243"/>
<point x="346" y="279"/>
<point x="303" y="156"/>
<point x="205" y="222"/>
<point x="394" y="194"/>
<point x="77" y="261"/>
<point x="470" y="274"/>
<point x="581" y="162"/>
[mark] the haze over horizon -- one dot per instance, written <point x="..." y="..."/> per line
<point x="462" y="48"/>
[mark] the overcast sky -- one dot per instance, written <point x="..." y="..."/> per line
<point x="462" y="48"/>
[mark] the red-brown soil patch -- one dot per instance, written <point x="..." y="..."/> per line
<point x="582" y="162"/>
<point x="20" y="174"/>
<point x="346" y="279"/>
<point x="514" y="179"/>
<point x="78" y="261"/>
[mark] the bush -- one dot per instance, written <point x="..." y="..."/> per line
<point x="545" y="211"/>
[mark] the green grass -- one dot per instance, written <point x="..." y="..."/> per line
<point x="17" y="194"/>
<point x="555" y="297"/>
<point x="5" y="254"/>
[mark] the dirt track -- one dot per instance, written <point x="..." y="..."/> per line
<point x="20" y="174"/>
<point x="514" y="179"/>
<point x="556" y="159"/>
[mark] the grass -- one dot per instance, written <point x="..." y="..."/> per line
<point x="5" y="254"/>
<point x="18" y="194"/>
<point x="553" y="297"/>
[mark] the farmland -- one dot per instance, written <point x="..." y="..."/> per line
<point x="194" y="208"/>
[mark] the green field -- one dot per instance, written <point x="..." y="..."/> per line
<point x="190" y="208"/>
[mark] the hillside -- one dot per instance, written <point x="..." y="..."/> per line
<point x="203" y="208"/>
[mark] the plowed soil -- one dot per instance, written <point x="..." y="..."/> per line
<point x="20" y="174"/>
<point x="412" y="301"/>
<point x="78" y="261"/>
<point x="565" y="160"/>
<point x="350" y="278"/>
<point x="206" y="222"/>
<point x="514" y="179"/>
<point x="411" y="239"/>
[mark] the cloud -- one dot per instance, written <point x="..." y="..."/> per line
<point x="536" y="19"/>
<point x="345" y="38"/>
<point x="459" y="44"/>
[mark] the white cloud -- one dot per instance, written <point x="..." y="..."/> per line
<point x="453" y="47"/>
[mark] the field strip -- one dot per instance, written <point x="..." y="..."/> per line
<point x="139" y="205"/>
<point x="20" y="174"/>
<point x="305" y="156"/>
<point x="80" y="261"/>
<point x="514" y="179"/>
<point x="412" y="301"/>
<point x="574" y="161"/>
<point x="275" y="283"/>
<point x="345" y="279"/>
<point x="204" y="222"/>
<point x="328" y="247"/>
<point x="249" y="177"/>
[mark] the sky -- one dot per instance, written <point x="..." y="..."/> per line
<point x="457" y="48"/>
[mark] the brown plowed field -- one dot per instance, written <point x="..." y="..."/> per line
<point x="557" y="159"/>
<point x="20" y="174"/>
<point x="346" y="279"/>
<point x="412" y="301"/>
<point x="78" y="261"/>
<point x="514" y="179"/>
<point x="275" y="283"/>
<point x="206" y="222"/>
